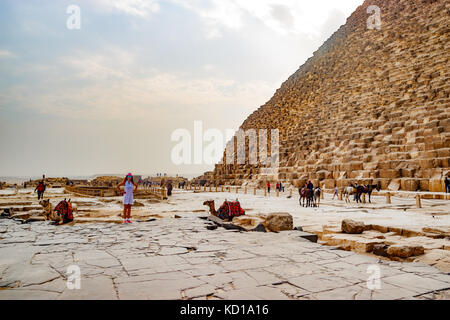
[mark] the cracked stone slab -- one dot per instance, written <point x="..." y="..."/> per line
<point x="203" y="290"/>
<point x="98" y="288"/>
<point x="159" y="263"/>
<point x="317" y="283"/>
<point x="22" y="294"/>
<point x="27" y="274"/>
<point x="151" y="262"/>
<point x="157" y="289"/>
<point x="254" y="293"/>
<point x="417" y="283"/>
<point x="361" y="292"/>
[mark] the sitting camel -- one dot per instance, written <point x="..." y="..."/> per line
<point x="227" y="211"/>
<point x="64" y="216"/>
<point x="49" y="214"/>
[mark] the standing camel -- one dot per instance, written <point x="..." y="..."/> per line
<point x="306" y="195"/>
<point x="348" y="191"/>
<point x="317" y="193"/>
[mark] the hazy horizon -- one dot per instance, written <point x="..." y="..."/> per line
<point x="106" y="97"/>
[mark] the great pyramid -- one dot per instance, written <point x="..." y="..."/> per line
<point x="370" y="106"/>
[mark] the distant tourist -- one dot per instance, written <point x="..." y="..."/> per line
<point x="128" y="188"/>
<point x="310" y="185"/>
<point x="281" y="187"/>
<point x="447" y="185"/>
<point x="277" y="186"/>
<point x="169" y="188"/>
<point x="40" y="188"/>
<point x="336" y="192"/>
<point x="268" y="187"/>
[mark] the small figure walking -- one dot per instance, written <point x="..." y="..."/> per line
<point x="447" y="184"/>
<point x="40" y="188"/>
<point x="169" y="188"/>
<point x="336" y="192"/>
<point x="128" y="188"/>
<point x="268" y="187"/>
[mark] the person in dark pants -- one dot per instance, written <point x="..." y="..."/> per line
<point x="40" y="188"/>
<point x="268" y="187"/>
<point x="447" y="185"/>
<point x="169" y="188"/>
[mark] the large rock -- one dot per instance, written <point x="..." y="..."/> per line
<point x="279" y="221"/>
<point x="380" y="250"/>
<point x="352" y="226"/>
<point x="403" y="251"/>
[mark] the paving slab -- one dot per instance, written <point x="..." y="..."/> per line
<point x="181" y="259"/>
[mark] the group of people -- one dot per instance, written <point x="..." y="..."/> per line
<point x="130" y="187"/>
<point x="278" y="186"/>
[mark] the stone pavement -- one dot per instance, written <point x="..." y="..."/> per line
<point x="181" y="259"/>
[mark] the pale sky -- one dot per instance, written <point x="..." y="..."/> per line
<point x="107" y="97"/>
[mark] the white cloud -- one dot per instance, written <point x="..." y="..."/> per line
<point x="6" y="54"/>
<point x="281" y="16"/>
<point x="140" y="8"/>
<point x="111" y="90"/>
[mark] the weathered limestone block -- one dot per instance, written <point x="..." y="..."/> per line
<point x="380" y="250"/>
<point x="352" y="226"/>
<point x="248" y="222"/>
<point x="279" y="221"/>
<point x="403" y="251"/>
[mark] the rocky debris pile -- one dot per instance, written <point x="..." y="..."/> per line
<point x="272" y="222"/>
<point x="371" y="106"/>
<point x="391" y="242"/>
<point x="106" y="181"/>
<point x="24" y="214"/>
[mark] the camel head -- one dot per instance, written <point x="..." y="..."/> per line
<point x="210" y="204"/>
<point x="44" y="203"/>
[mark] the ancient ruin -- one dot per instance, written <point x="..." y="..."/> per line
<point x="371" y="106"/>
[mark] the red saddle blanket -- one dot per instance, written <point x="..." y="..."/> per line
<point x="230" y="209"/>
<point x="64" y="209"/>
